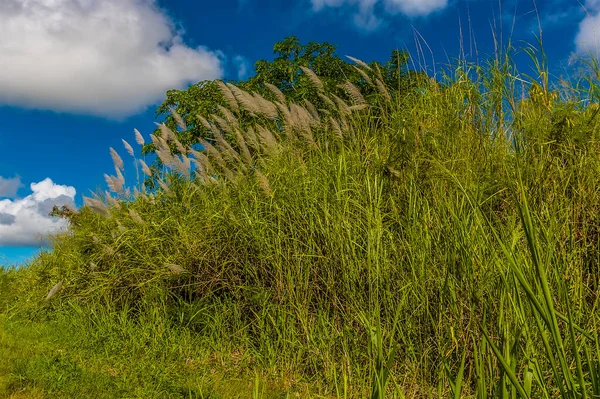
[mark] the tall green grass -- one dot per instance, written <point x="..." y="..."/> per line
<point x="438" y="240"/>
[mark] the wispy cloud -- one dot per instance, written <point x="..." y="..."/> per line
<point x="369" y="14"/>
<point x="25" y="221"/>
<point x="110" y="58"/>
<point x="242" y="67"/>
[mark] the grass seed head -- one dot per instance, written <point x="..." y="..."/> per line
<point x="117" y="161"/>
<point x="128" y="147"/>
<point x="54" y="290"/>
<point x="138" y="137"/>
<point x="313" y="78"/>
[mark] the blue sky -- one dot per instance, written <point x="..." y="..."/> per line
<point x="77" y="76"/>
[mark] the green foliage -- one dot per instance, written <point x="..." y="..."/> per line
<point x="284" y="72"/>
<point x="433" y="240"/>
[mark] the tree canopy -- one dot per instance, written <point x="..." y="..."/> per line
<point x="286" y="73"/>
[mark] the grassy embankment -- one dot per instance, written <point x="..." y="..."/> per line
<point x="441" y="241"/>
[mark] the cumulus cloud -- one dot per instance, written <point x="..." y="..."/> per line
<point x="9" y="187"/>
<point x="25" y="221"/>
<point x="110" y="58"/>
<point x="366" y="18"/>
<point x="587" y="35"/>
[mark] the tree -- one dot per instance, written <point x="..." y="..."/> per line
<point x="285" y="72"/>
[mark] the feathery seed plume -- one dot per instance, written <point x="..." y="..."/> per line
<point x="136" y="217"/>
<point x="263" y="183"/>
<point x="204" y="122"/>
<point x="242" y="144"/>
<point x="164" y="186"/>
<point x="223" y="124"/>
<point x="121" y="228"/>
<point x="359" y="62"/>
<point x="354" y="93"/>
<point x="117" y="161"/>
<point x="229" y="116"/>
<point x="112" y="201"/>
<point x="167" y="134"/>
<point x="276" y="92"/>
<point x="358" y="107"/>
<point x="327" y="100"/>
<point x="244" y="98"/>
<point x="336" y="128"/>
<point x="342" y="106"/>
<point x="128" y="147"/>
<point x="54" y="290"/>
<point x="228" y="95"/>
<point x="96" y="206"/>
<point x="178" y="119"/>
<point x="175" y="269"/>
<point x="312" y="109"/>
<point x="313" y="78"/>
<point x="366" y="77"/>
<point x="268" y="139"/>
<point x="251" y="138"/>
<point x="145" y="168"/>
<point x="138" y="137"/>
<point x="383" y="90"/>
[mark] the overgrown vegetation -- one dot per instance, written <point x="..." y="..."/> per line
<point x="427" y="240"/>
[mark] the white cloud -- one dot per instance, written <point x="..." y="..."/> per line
<point x="366" y="17"/>
<point x="25" y="221"/>
<point x="9" y="187"/>
<point x="415" y="8"/>
<point x="587" y="36"/>
<point x="110" y="58"/>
